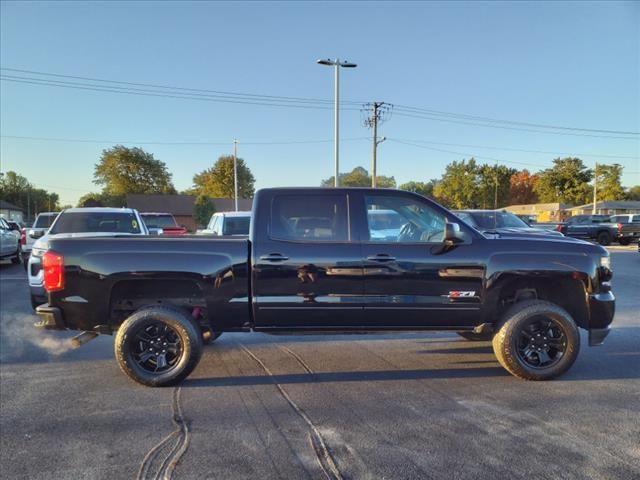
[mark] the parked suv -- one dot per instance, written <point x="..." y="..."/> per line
<point x="228" y="224"/>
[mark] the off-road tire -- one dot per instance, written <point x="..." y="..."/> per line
<point x="476" y="337"/>
<point x="604" y="238"/>
<point x="185" y="328"/>
<point x="624" y="241"/>
<point x="506" y="337"/>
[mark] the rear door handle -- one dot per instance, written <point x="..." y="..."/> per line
<point x="274" y="257"/>
<point x="381" y="257"/>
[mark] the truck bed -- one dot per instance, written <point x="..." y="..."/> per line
<point x="208" y="273"/>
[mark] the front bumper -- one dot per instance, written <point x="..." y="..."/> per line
<point x="602" y="307"/>
<point x="50" y="318"/>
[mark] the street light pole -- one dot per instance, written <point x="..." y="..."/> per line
<point x="336" y="64"/>
<point x="235" y="172"/>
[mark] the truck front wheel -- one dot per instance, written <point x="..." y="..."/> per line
<point x="537" y="340"/>
<point x="158" y="346"/>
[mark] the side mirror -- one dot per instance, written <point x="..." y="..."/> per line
<point x="155" y="231"/>
<point x="452" y="234"/>
<point x="36" y="233"/>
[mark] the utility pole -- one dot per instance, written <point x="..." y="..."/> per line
<point x="235" y="172"/>
<point x="595" y="188"/>
<point x="380" y="112"/>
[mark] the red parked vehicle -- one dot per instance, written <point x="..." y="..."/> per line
<point x="164" y="222"/>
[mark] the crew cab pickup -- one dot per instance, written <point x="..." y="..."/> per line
<point x="313" y="264"/>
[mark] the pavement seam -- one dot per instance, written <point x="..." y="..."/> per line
<point x="326" y="461"/>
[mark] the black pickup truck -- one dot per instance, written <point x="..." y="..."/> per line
<point x="592" y="227"/>
<point x="317" y="262"/>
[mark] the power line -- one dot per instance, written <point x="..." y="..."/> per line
<point x="602" y="155"/>
<point x="462" y="122"/>
<point x="167" y="91"/>
<point x="115" y="142"/>
<point x="170" y="87"/>
<point x="150" y="93"/>
<point x="509" y="122"/>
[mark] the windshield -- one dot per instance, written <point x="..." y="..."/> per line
<point x="98" y="222"/>
<point x="236" y="226"/>
<point x="491" y="220"/>
<point x="45" y="220"/>
<point x="159" y="221"/>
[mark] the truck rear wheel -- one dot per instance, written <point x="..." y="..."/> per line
<point x="537" y="340"/>
<point x="158" y="346"/>
<point x="476" y="337"/>
<point x="624" y="241"/>
<point x="604" y="238"/>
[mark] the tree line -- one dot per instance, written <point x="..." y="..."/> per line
<point x="464" y="183"/>
<point x="469" y="184"/>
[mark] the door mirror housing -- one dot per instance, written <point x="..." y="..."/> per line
<point x="452" y="234"/>
<point x="36" y="233"/>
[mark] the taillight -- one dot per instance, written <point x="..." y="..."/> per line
<point x="559" y="227"/>
<point x="53" y="271"/>
<point x="23" y="236"/>
<point x="619" y="228"/>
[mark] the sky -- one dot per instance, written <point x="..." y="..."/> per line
<point x="574" y="64"/>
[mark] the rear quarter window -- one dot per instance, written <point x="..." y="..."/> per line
<point x="309" y="218"/>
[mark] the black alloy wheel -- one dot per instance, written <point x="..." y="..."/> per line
<point x="157" y="347"/>
<point x="541" y="343"/>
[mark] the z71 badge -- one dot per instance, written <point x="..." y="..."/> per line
<point x="461" y="294"/>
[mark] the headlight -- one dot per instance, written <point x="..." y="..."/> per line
<point x="605" y="262"/>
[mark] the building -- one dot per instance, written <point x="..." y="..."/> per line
<point x="613" y="207"/>
<point x="544" y="212"/>
<point x="181" y="206"/>
<point x="11" y="212"/>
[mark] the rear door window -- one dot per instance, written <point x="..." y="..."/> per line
<point x="310" y="218"/>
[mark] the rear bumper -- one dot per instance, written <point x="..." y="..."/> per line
<point x="602" y="307"/>
<point x="50" y="318"/>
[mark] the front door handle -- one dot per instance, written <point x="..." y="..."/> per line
<point x="274" y="257"/>
<point x="381" y="257"/>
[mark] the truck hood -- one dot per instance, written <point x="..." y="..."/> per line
<point x="522" y="232"/>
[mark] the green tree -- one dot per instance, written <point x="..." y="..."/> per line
<point x="16" y="189"/>
<point x="566" y="182"/>
<point x="608" y="182"/>
<point x="521" y="188"/>
<point x="203" y="208"/>
<point x="423" y="188"/>
<point x="633" y="193"/>
<point x="493" y="185"/>
<point x="102" y="200"/>
<point x="217" y="181"/>
<point x="123" y="170"/>
<point x="359" y="177"/>
<point x="458" y="187"/>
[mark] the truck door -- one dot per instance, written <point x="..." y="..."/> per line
<point x="410" y="281"/>
<point x="307" y="262"/>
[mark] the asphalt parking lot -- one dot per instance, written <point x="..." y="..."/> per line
<point x="368" y="406"/>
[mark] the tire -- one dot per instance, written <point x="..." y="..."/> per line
<point x="517" y="346"/>
<point x="16" y="260"/>
<point x="476" y="337"/>
<point x="624" y="241"/>
<point x="604" y="238"/>
<point x="155" y="330"/>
